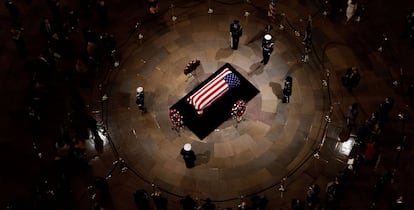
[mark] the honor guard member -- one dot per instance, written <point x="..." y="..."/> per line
<point x="188" y="155"/>
<point x="140" y="99"/>
<point x="236" y="32"/>
<point x="287" y="89"/>
<point x="267" y="47"/>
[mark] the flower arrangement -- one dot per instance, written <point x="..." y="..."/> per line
<point x="238" y="109"/>
<point x="176" y="119"/>
<point x="190" y="67"/>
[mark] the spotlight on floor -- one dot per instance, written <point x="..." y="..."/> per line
<point x="345" y="147"/>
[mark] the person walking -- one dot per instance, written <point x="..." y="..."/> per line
<point x="236" y="31"/>
<point x="267" y="48"/>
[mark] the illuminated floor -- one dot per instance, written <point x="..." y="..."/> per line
<point x="275" y="141"/>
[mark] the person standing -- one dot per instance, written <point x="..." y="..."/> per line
<point x="287" y="89"/>
<point x="385" y="108"/>
<point x="139" y="99"/>
<point x="267" y="48"/>
<point x="208" y="205"/>
<point x="351" y="78"/>
<point x="312" y="195"/>
<point x="335" y="9"/>
<point x="188" y="155"/>
<point x="47" y="28"/>
<point x="103" y="13"/>
<point x="153" y="6"/>
<point x="13" y="10"/>
<point x="188" y="203"/>
<point x="271" y="12"/>
<point x="56" y="7"/>
<point x="297" y="204"/>
<point x="159" y="200"/>
<point x="243" y="206"/>
<point x="398" y="204"/>
<point x="307" y="40"/>
<point x="236" y="31"/>
<point x="19" y="41"/>
<point x="351" y="115"/>
<point x="350" y="10"/>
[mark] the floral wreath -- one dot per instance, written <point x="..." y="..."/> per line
<point x="238" y="109"/>
<point x="176" y="119"/>
<point x="190" y="67"/>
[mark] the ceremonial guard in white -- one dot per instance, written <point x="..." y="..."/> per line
<point x="267" y="47"/>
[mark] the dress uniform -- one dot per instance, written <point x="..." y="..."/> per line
<point x="287" y="89"/>
<point x="236" y="32"/>
<point x="188" y="156"/>
<point x="140" y="99"/>
<point x="267" y="47"/>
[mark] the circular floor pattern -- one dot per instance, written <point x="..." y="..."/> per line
<point x="235" y="159"/>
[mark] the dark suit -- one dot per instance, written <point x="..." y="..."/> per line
<point x="236" y="32"/>
<point x="47" y="28"/>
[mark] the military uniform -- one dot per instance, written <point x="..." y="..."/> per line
<point x="236" y="32"/>
<point x="140" y="99"/>
<point x="267" y="48"/>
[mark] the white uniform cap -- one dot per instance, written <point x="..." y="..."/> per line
<point x="140" y="89"/>
<point x="268" y="37"/>
<point x="187" y="147"/>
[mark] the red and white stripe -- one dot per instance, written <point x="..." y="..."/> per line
<point x="210" y="92"/>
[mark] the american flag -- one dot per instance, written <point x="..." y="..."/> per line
<point x="213" y="90"/>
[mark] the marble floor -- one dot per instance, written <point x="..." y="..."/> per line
<point x="294" y="144"/>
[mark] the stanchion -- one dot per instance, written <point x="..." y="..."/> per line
<point x="173" y="17"/>
<point x="324" y="133"/>
<point x="383" y="41"/>
<point x="210" y="11"/>
<point x="282" y="189"/>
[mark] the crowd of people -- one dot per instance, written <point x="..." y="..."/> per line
<point x="70" y="52"/>
<point x="366" y="154"/>
<point x="60" y="59"/>
<point x="409" y="28"/>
